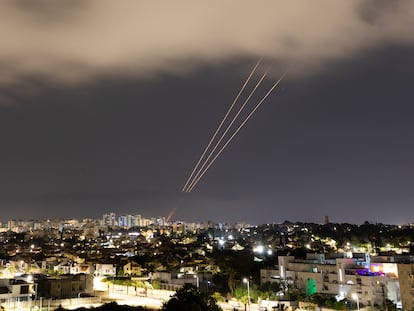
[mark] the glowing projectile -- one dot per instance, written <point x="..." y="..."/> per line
<point x="226" y="130"/>
<point x="236" y="132"/>
<point x="221" y="124"/>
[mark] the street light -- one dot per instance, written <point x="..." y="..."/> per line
<point x="197" y="281"/>
<point x="355" y="297"/>
<point x="245" y="280"/>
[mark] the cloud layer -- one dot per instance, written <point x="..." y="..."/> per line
<point x="75" y="41"/>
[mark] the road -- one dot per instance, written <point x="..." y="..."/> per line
<point x="153" y="298"/>
<point x="131" y="300"/>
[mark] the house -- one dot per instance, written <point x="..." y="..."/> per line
<point x="65" y="286"/>
<point x="63" y="268"/>
<point x="105" y="269"/>
<point x="82" y="268"/>
<point x="15" y="289"/>
<point x="132" y="269"/>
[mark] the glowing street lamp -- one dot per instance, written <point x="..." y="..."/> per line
<point x="245" y="280"/>
<point x="197" y="281"/>
<point x="355" y="297"/>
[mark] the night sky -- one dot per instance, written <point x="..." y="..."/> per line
<point x="107" y="108"/>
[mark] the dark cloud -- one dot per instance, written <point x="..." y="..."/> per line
<point x="79" y="41"/>
<point x="373" y="11"/>
<point x="49" y="11"/>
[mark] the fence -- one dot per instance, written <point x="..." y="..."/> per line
<point x="49" y="304"/>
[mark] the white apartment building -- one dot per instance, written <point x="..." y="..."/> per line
<point x="372" y="279"/>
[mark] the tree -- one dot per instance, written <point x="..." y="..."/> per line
<point x="236" y="265"/>
<point x="241" y="293"/>
<point x="217" y="296"/>
<point x="190" y="298"/>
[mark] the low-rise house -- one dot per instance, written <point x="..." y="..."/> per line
<point x="65" y="286"/>
<point x="105" y="269"/>
<point x="132" y="269"/>
<point x="15" y="289"/>
<point x="62" y="268"/>
<point x="82" y="268"/>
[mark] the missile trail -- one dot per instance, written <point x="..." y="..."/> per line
<point x="227" y="130"/>
<point x="236" y="132"/>
<point x="221" y="124"/>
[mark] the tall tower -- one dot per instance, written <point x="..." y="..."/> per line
<point x="109" y="219"/>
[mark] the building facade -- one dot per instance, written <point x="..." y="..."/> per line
<point x="372" y="280"/>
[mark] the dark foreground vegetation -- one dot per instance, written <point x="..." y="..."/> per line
<point x="187" y="298"/>
<point x="108" y="307"/>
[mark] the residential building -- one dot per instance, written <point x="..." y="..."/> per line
<point x="373" y="279"/>
<point x="65" y="286"/>
<point x="109" y="220"/>
<point x="15" y="289"/>
<point x="105" y="269"/>
<point x="132" y="269"/>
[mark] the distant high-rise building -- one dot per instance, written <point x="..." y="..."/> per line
<point x="109" y="219"/>
<point x="123" y="221"/>
<point x="138" y="220"/>
<point x="129" y="221"/>
<point x="325" y="220"/>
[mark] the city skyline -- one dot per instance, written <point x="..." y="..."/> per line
<point x="100" y="113"/>
<point x="125" y="220"/>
